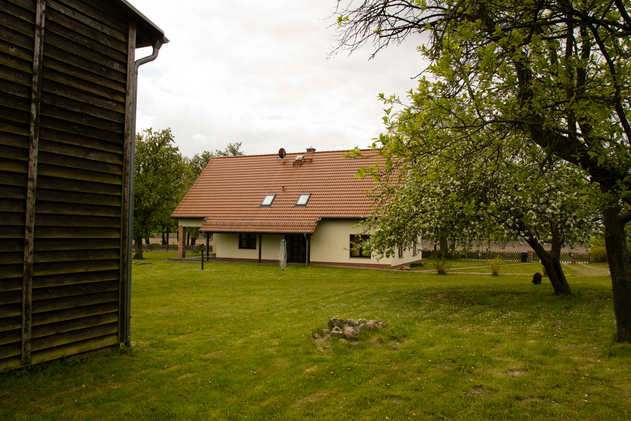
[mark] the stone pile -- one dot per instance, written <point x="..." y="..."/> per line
<point x="348" y="329"/>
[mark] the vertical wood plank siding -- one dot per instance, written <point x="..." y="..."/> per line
<point x="77" y="298"/>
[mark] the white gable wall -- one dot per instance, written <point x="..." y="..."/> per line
<point x="330" y="245"/>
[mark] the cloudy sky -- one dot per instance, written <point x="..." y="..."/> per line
<point x="259" y="72"/>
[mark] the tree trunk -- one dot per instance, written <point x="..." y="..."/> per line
<point x="552" y="265"/>
<point x="620" y="268"/>
<point x="147" y="240"/>
<point x="443" y="246"/>
<point x="138" y="248"/>
<point x="164" y="239"/>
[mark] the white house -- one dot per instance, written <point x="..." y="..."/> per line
<point x="313" y="200"/>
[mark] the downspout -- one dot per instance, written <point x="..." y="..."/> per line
<point x="132" y="170"/>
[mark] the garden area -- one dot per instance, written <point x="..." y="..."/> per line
<point x="239" y="341"/>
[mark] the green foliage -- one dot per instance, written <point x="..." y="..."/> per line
<point x="529" y="88"/>
<point x="196" y="165"/>
<point x="162" y="178"/>
<point x="598" y="253"/>
<point x="233" y="149"/>
<point x="441" y="264"/>
<point x="198" y="162"/>
<point x="495" y="265"/>
<point x="160" y="174"/>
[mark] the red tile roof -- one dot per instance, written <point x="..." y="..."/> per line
<point x="230" y="190"/>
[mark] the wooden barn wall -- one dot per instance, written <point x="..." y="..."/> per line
<point x="75" y="302"/>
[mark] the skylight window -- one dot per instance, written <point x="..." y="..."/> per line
<point x="303" y="199"/>
<point x="267" y="201"/>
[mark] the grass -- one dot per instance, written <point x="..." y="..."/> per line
<point x="234" y="342"/>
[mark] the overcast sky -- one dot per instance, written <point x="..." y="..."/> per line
<point x="259" y="72"/>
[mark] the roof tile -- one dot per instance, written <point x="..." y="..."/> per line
<point x="230" y="190"/>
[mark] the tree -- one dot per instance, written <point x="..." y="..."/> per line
<point x="478" y="197"/>
<point x="193" y="169"/>
<point x="555" y="72"/>
<point x="233" y="149"/>
<point x="159" y="174"/>
<point x="196" y="165"/>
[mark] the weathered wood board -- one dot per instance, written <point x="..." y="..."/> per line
<point x="65" y="91"/>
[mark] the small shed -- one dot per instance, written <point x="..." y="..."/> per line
<point x="67" y="106"/>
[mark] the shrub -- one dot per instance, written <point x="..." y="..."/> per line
<point x="495" y="265"/>
<point x="441" y="265"/>
<point x="597" y="254"/>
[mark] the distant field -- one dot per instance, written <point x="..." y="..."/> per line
<point x="233" y="342"/>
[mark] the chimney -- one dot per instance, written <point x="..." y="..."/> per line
<point x="310" y="149"/>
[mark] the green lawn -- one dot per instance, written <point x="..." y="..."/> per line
<point x="234" y="342"/>
<point x="570" y="269"/>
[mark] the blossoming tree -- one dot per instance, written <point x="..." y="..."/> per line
<point x="557" y="73"/>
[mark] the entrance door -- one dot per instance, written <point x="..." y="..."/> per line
<point x="296" y="248"/>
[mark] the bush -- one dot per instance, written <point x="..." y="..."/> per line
<point x="441" y="265"/>
<point x="597" y="254"/>
<point x="495" y="265"/>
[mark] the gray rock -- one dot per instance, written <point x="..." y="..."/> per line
<point x="350" y="333"/>
<point x="336" y="332"/>
<point x="336" y="322"/>
<point x="372" y="325"/>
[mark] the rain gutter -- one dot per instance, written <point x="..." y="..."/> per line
<point x="130" y="226"/>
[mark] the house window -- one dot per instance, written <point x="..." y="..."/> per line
<point x="247" y="241"/>
<point x="358" y="246"/>
<point x="267" y="201"/>
<point x="303" y="199"/>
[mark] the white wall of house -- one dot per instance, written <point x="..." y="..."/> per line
<point x="329" y="245"/>
<point x="331" y="240"/>
<point x="271" y="246"/>
<point x="227" y="247"/>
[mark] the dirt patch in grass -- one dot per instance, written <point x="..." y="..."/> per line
<point x="311" y="399"/>
<point x="515" y="372"/>
<point x="475" y="391"/>
<point x="271" y="401"/>
<point x="310" y="370"/>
